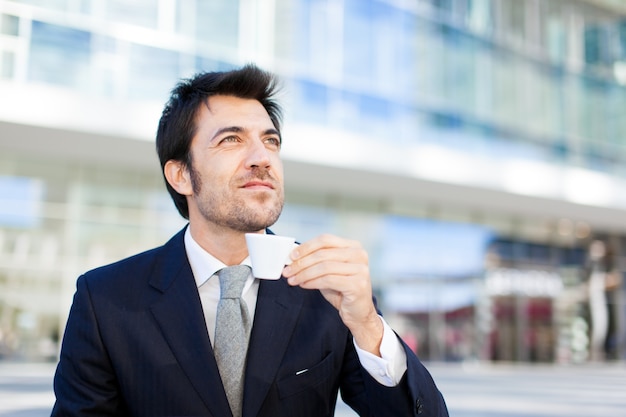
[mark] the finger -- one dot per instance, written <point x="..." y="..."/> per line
<point x="330" y="274"/>
<point x="322" y="242"/>
<point x="347" y="255"/>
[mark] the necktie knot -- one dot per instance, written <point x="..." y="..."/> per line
<point x="232" y="280"/>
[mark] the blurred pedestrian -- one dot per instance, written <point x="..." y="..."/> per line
<point x="604" y="281"/>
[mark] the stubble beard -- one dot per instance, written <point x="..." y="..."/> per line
<point x="232" y="212"/>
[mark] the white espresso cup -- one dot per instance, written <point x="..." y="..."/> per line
<point x="269" y="254"/>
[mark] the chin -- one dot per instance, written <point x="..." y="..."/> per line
<point x="254" y="223"/>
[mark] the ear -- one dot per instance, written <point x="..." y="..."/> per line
<point x="178" y="177"/>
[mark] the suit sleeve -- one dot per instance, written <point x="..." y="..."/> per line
<point x="425" y="398"/>
<point x="415" y="395"/>
<point x="84" y="382"/>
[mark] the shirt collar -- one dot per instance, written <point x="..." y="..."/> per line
<point x="203" y="264"/>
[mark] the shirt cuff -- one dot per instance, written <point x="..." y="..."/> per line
<point x="391" y="366"/>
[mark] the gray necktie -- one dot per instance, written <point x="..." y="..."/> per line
<point x="232" y="330"/>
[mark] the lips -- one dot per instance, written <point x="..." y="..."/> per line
<point x="258" y="184"/>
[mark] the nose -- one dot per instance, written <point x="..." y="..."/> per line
<point x="258" y="155"/>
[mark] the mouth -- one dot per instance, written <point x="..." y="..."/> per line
<point x="258" y="185"/>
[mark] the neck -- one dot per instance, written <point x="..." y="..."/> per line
<point x="227" y="245"/>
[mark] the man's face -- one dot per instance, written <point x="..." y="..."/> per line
<point x="236" y="171"/>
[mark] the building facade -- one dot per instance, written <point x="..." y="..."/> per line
<point x="475" y="147"/>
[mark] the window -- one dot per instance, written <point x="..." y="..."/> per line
<point x="20" y="204"/>
<point x="136" y="12"/>
<point x="7" y="64"/>
<point x="59" y="55"/>
<point x="9" y="25"/>
<point x="153" y="71"/>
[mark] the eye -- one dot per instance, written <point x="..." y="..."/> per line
<point x="273" y="141"/>
<point x="229" y="139"/>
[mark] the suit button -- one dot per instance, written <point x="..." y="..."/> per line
<point x="419" y="406"/>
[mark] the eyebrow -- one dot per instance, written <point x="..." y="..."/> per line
<point x="238" y="129"/>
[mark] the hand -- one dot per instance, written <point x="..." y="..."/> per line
<point x="339" y="269"/>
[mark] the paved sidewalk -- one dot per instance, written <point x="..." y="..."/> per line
<point x="509" y="390"/>
<point x="26" y="389"/>
<point x="471" y="390"/>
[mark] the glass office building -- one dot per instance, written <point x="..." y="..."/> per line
<point x="475" y="147"/>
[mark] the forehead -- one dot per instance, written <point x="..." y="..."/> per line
<point x="229" y="109"/>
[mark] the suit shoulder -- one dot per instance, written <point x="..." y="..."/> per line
<point x="138" y="261"/>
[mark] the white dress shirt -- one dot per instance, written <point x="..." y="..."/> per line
<point x="387" y="370"/>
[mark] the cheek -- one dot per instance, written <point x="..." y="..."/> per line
<point x="222" y="172"/>
<point x="277" y="168"/>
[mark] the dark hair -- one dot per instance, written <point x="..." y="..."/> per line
<point x="177" y="125"/>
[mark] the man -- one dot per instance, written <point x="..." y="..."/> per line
<point x="141" y="335"/>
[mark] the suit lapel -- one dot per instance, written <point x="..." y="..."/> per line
<point x="277" y="310"/>
<point x="180" y="317"/>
